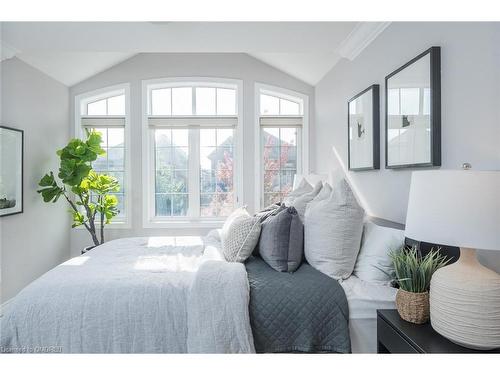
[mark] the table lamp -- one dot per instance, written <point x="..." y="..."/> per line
<point x="460" y="208"/>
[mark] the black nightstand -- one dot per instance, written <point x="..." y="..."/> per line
<point x="394" y="335"/>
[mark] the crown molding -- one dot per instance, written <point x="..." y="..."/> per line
<point x="7" y="52"/>
<point x="363" y="34"/>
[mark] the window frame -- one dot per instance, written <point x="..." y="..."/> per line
<point x="82" y="100"/>
<point x="303" y="133"/>
<point x="148" y="150"/>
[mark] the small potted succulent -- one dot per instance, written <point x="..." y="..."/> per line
<point x="412" y="273"/>
<point x="88" y="193"/>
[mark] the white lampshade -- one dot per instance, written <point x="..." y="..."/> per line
<point x="455" y="208"/>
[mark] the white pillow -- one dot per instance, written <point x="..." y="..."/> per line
<point x="304" y="187"/>
<point x="325" y="193"/>
<point x="332" y="233"/>
<point x="373" y="258"/>
<point x="241" y="238"/>
<point x="300" y="203"/>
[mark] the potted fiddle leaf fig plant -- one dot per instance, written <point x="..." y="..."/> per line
<point x="413" y="273"/>
<point x="88" y="193"/>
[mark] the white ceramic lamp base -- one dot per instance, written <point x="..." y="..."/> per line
<point x="465" y="303"/>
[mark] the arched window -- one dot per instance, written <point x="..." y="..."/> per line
<point x="281" y="141"/>
<point x="191" y="133"/>
<point x="106" y="111"/>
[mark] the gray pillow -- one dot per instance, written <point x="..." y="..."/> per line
<point x="268" y="211"/>
<point x="332" y="234"/>
<point x="281" y="242"/>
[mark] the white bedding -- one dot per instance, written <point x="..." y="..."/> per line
<point x="133" y="296"/>
<point x="364" y="299"/>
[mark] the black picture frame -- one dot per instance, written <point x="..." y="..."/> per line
<point x="435" y="109"/>
<point x="375" y="128"/>
<point x="22" y="171"/>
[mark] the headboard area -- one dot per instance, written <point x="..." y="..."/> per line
<point x="423" y="247"/>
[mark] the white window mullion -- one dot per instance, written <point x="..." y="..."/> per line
<point x="216" y="112"/>
<point x="262" y="167"/>
<point x="151" y="188"/>
<point x="299" y="151"/>
<point x="193" y="100"/>
<point x="171" y="101"/>
<point x="194" y="173"/>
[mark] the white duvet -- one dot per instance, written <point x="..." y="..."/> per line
<point x="135" y="295"/>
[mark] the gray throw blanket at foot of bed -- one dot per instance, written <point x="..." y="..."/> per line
<point x="304" y="311"/>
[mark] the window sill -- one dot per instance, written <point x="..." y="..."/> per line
<point x="184" y="223"/>
<point x="118" y="225"/>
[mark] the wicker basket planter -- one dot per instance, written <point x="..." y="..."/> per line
<point x="413" y="307"/>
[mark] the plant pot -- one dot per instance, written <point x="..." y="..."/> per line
<point x="88" y="248"/>
<point x="413" y="307"/>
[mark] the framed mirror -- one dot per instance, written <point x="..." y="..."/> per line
<point x="413" y="113"/>
<point x="363" y="113"/>
<point x="11" y="171"/>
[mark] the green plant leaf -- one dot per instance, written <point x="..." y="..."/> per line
<point x="78" y="219"/>
<point x="94" y="143"/>
<point x="413" y="272"/>
<point x="47" y="180"/>
<point x="50" y="190"/>
<point x="75" y="172"/>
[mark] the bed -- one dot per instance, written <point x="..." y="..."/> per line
<point x="364" y="299"/>
<point x="179" y="295"/>
<point x="135" y="295"/>
<point x="175" y="295"/>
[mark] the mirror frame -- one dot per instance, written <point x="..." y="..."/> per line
<point x="435" y="109"/>
<point x="375" y="130"/>
<point x="22" y="170"/>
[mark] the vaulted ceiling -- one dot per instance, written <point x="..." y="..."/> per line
<point x="71" y="52"/>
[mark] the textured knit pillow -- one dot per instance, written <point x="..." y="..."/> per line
<point x="332" y="233"/>
<point x="242" y="211"/>
<point x="241" y="238"/>
<point x="304" y="187"/>
<point x="300" y="203"/>
<point x="281" y="242"/>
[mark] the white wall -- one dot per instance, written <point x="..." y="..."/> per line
<point x="33" y="242"/>
<point x="470" y="64"/>
<point x="470" y="61"/>
<point x="149" y="66"/>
